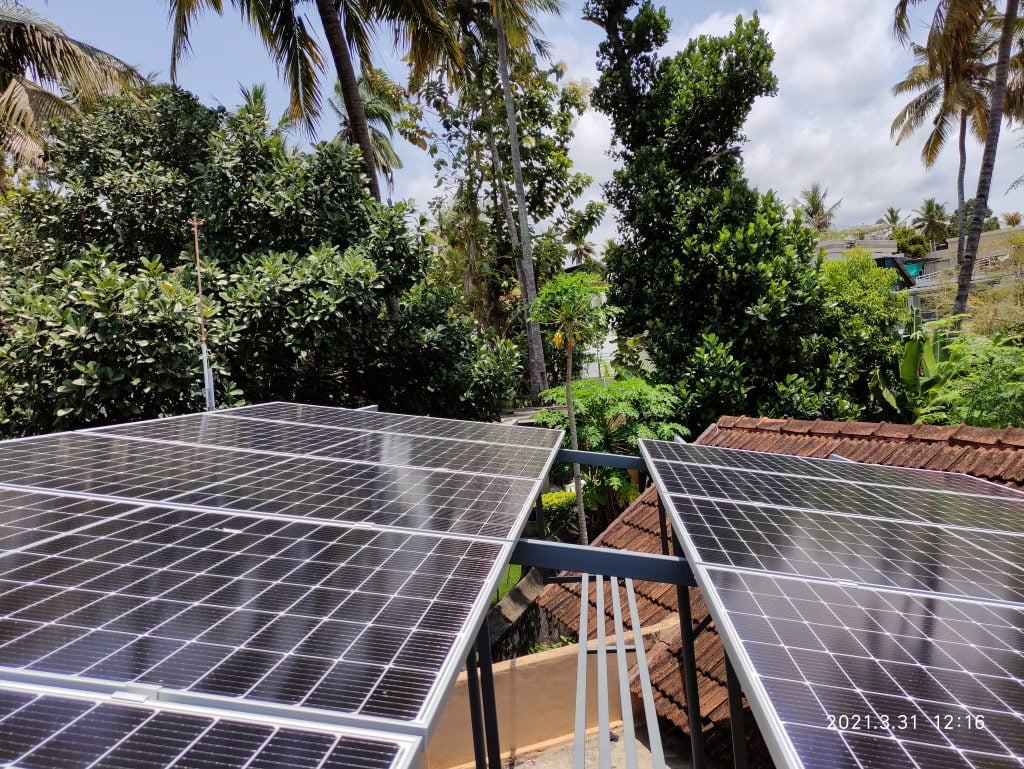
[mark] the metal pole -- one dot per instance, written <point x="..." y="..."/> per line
<point x="736" y="725"/>
<point x="207" y="371"/>
<point x="540" y="517"/>
<point x="483" y="646"/>
<point x="664" y="528"/>
<point x="475" y="716"/>
<point x="690" y="670"/>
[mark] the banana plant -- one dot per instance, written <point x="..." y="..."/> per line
<point x="919" y="371"/>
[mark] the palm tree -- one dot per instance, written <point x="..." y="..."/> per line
<point x="37" y="60"/>
<point x="346" y="24"/>
<point x="383" y="100"/>
<point x="892" y="220"/>
<point x="930" y="221"/>
<point x="1012" y="219"/>
<point x="942" y="100"/>
<point x="954" y="27"/>
<point x="813" y="202"/>
<point x="510" y="24"/>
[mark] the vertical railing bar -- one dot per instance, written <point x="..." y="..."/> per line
<point x="644" y="675"/>
<point x="488" y="697"/>
<point x="604" y="743"/>
<point x="626" y="702"/>
<point x="736" y="725"/>
<point x="579" y="752"/>
<point x="476" y="718"/>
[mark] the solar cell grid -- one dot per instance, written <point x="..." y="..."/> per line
<point x="269" y="484"/>
<point x="27" y="518"/>
<point x="852" y="472"/>
<point x="926" y="558"/>
<point x="390" y="449"/>
<point x="775" y="490"/>
<point x="431" y="427"/>
<point x="347" y="620"/>
<point x="59" y="732"/>
<point x="869" y="678"/>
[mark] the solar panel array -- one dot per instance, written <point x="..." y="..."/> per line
<point x="324" y="569"/>
<point x="875" y="615"/>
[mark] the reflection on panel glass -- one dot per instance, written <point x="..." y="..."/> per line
<point x="324" y="616"/>
<point x="855" y="549"/>
<point x="884" y="678"/>
<point x="52" y="732"/>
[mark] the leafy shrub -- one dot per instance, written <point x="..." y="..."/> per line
<point x="559" y="511"/>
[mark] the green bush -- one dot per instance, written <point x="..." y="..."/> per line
<point x="559" y="510"/>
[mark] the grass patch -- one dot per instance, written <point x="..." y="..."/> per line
<point x="513" y="573"/>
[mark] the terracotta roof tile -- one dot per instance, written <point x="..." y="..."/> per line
<point x="798" y="425"/>
<point x="747" y="422"/>
<point x="890" y="430"/>
<point x="727" y="422"/>
<point x="977" y="435"/>
<point x="857" y="428"/>
<point x="945" y="457"/>
<point x="933" y="432"/>
<point x="1012" y="436"/>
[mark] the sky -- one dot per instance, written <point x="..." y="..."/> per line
<point x="836" y="62"/>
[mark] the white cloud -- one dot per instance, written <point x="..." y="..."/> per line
<point x="836" y="64"/>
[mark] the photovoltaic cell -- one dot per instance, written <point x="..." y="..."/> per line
<point x="870" y="679"/>
<point x="430" y="427"/>
<point x="818" y="545"/>
<point x="27" y="518"/>
<point x="392" y="449"/>
<point x="59" y="732"/>
<point x="876" y="627"/>
<point x="252" y="482"/>
<point x="345" y="620"/>
<point x="853" y="472"/>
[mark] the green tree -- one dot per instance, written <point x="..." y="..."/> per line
<point x="930" y="220"/>
<point x="991" y="220"/>
<point x="43" y="74"/>
<point x="955" y="25"/>
<point x="868" y="308"/>
<point x="892" y="220"/>
<point x="720" y="283"/>
<point x="297" y="258"/>
<point x="612" y="415"/>
<point x="910" y="243"/>
<point x="572" y="305"/>
<point x="346" y="24"/>
<point x="814" y="205"/>
<point x="948" y="92"/>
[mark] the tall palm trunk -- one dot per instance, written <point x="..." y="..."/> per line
<point x="331" y="21"/>
<point x="574" y="443"/>
<point x="506" y="204"/>
<point x="534" y="346"/>
<point x="961" y="173"/>
<point x="988" y="158"/>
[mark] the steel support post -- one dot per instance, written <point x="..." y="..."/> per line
<point x="736" y="724"/>
<point x="483" y="648"/>
<point x="475" y="716"/>
<point x="690" y="670"/>
<point x="539" y="515"/>
<point x="663" y="525"/>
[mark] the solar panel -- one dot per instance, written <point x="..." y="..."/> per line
<point x="859" y="677"/>
<point x="390" y="449"/>
<point x="855" y="549"/>
<point x="243" y="481"/>
<point x="854" y="472"/>
<point x="327" y="617"/>
<point x="58" y="731"/>
<point x="871" y="626"/>
<point x="235" y="563"/>
<point x="431" y="427"/>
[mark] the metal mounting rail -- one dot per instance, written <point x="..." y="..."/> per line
<point x="599" y="459"/>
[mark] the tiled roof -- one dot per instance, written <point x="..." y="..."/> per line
<point x="996" y="455"/>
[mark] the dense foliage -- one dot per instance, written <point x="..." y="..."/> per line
<point x="721" y="283"/>
<point x="612" y="415"/>
<point x="98" y="294"/>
